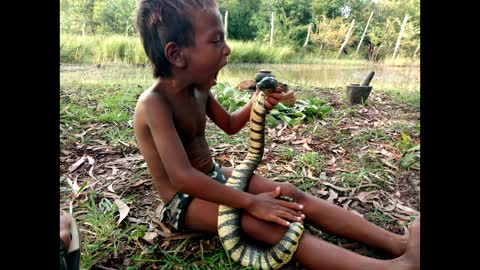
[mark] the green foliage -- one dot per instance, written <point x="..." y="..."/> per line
<point x="97" y="16"/>
<point x="100" y="49"/>
<point x="240" y="14"/>
<point x="410" y="152"/>
<point x="302" y="111"/>
<point x="330" y="33"/>
<point x="114" y="16"/>
<point x="100" y="216"/>
<point x="312" y="159"/>
<point x="230" y="98"/>
<point x="75" y="13"/>
<point x="250" y="20"/>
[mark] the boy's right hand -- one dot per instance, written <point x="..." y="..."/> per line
<point x="265" y="206"/>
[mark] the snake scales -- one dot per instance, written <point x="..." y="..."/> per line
<point x="240" y="250"/>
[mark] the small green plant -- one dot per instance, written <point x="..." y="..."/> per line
<point x="103" y="236"/>
<point x="410" y="153"/>
<point x="378" y="217"/>
<point x="302" y="111"/>
<point x="312" y="159"/>
<point x="230" y="98"/>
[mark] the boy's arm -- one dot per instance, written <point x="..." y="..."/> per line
<point x="232" y="123"/>
<point x="197" y="184"/>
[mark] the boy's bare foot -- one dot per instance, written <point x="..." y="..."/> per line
<point x="65" y="222"/>
<point x="410" y="260"/>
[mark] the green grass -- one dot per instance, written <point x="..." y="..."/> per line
<point x="379" y="218"/>
<point x="284" y="152"/>
<point x="103" y="237"/>
<point x="208" y="254"/>
<point x="101" y="49"/>
<point x="118" y="48"/>
<point x="312" y="159"/>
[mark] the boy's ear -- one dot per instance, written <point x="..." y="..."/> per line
<point x="175" y="55"/>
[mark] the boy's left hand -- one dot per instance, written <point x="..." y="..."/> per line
<point x="273" y="98"/>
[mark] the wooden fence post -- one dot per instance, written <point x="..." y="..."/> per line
<point x="417" y="50"/>
<point x="364" y="32"/>
<point x="271" y="32"/>
<point x="226" y="24"/>
<point x="346" y="38"/>
<point x="308" y="34"/>
<point x="378" y="50"/>
<point x="397" y="45"/>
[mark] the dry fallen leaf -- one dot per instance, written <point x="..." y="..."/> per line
<point x="181" y="236"/>
<point x="138" y="183"/>
<point x="389" y="208"/>
<point x="289" y="168"/>
<point x="302" y="141"/>
<point x="110" y="187"/>
<point x="331" y="161"/>
<point x="362" y="196"/>
<point x="123" y="209"/>
<point x="345" y="205"/>
<point x="227" y="158"/>
<point x="333" y="186"/>
<point x="305" y="145"/>
<point x="389" y="154"/>
<point x="407" y="209"/>
<point x="333" y="195"/>
<point x="75" y="187"/>
<point x="401" y="217"/>
<point x="150" y="236"/>
<point x="357" y="213"/>
<point x="91" y="160"/>
<point x="90" y="172"/>
<point x="76" y="164"/>
<point x="386" y="162"/>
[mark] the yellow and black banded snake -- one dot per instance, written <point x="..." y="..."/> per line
<point x="240" y="250"/>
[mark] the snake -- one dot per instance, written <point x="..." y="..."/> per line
<point x="239" y="249"/>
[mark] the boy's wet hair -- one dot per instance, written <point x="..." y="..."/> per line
<point x="161" y="21"/>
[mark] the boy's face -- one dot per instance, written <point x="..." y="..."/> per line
<point x="209" y="53"/>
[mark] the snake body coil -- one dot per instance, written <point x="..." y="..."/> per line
<point x="229" y="218"/>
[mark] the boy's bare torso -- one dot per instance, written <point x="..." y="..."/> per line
<point x="189" y="116"/>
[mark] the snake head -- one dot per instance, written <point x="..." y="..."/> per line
<point x="267" y="84"/>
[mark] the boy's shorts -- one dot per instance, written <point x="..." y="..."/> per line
<point x="173" y="212"/>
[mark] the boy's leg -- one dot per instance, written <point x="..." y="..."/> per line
<point x="312" y="252"/>
<point x="331" y="218"/>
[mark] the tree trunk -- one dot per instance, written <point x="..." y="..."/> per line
<point x="364" y="32"/>
<point x="346" y="37"/>
<point x="397" y="45"/>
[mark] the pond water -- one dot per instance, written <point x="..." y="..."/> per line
<point x="321" y="75"/>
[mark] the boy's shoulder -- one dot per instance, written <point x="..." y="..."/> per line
<point x="152" y="98"/>
<point x="153" y="94"/>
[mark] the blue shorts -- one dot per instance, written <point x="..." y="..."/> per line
<point x="173" y="213"/>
